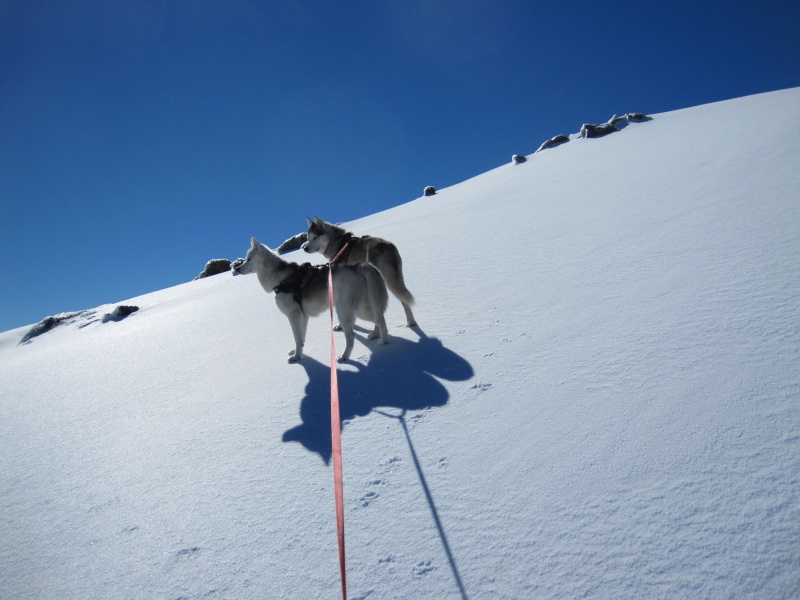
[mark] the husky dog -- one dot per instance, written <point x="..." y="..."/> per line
<point x="329" y="240"/>
<point x="301" y="291"/>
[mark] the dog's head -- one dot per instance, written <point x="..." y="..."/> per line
<point x="254" y="258"/>
<point x="318" y="236"/>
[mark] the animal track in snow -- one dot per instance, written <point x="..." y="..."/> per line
<point x="442" y="463"/>
<point x="388" y="465"/>
<point x="482" y="386"/>
<point x="368" y="498"/>
<point x="423" y="568"/>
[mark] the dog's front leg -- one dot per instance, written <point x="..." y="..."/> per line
<point x="305" y="328"/>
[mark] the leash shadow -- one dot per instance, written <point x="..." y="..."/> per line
<point x="403" y="375"/>
<point x="401" y="418"/>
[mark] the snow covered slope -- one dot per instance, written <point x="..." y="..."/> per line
<point x="602" y="400"/>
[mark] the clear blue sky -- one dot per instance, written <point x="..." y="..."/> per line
<point x="139" y="139"/>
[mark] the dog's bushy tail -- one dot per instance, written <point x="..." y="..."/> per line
<point x="391" y="265"/>
<point x="399" y="288"/>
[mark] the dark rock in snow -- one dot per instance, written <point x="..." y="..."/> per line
<point x="50" y="323"/>
<point x="594" y="131"/>
<point x="615" y="123"/>
<point x="119" y="313"/>
<point x="293" y="243"/>
<point x="637" y="117"/>
<point x="553" y="142"/>
<point x="429" y="190"/>
<point x="235" y="264"/>
<point x="518" y="158"/>
<point x="215" y="267"/>
<point x="622" y="122"/>
<point x="41" y="327"/>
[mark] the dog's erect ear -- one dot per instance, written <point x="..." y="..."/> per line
<point x="310" y="222"/>
<point x="254" y="242"/>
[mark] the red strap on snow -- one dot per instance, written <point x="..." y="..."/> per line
<point x="336" y="446"/>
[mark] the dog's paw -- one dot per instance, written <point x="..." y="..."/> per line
<point x="382" y="342"/>
<point x="337" y="327"/>
<point x="342" y="358"/>
<point x="293" y="358"/>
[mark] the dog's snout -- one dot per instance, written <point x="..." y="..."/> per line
<point x="305" y="247"/>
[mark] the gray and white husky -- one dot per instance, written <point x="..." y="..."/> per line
<point x="301" y="291"/>
<point x="329" y="240"/>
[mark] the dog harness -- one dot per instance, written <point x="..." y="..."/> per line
<point x="297" y="280"/>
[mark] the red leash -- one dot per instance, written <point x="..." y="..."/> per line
<point x="336" y="439"/>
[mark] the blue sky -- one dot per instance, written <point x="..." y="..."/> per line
<point x="139" y="139"/>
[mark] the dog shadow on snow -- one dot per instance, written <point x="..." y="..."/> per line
<point x="402" y="375"/>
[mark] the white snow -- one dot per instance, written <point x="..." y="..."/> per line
<point x="603" y="400"/>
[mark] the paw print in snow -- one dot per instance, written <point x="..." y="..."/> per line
<point x="371" y="495"/>
<point x="392" y="461"/>
<point x="423" y="568"/>
<point x="482" y="387"/>
<point x="368" y="498"/>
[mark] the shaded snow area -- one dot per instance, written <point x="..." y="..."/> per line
<point x="602" y="399"/>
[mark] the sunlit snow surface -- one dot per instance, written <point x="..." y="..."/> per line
<point x="602" y="399"/>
